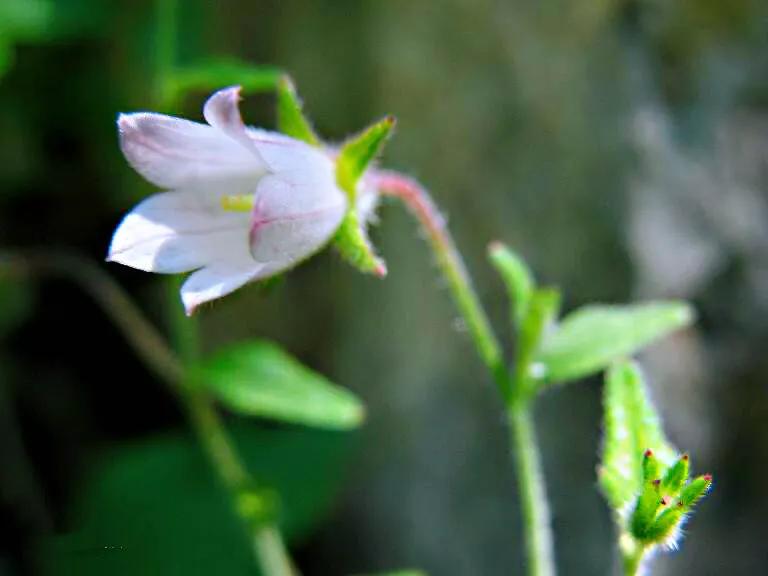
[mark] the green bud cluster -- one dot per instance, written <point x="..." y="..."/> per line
<point x="666" y="498"/>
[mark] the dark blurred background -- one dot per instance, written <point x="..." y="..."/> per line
<point x="620" y="146"/>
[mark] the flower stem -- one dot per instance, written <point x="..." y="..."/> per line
<point x="152" y="348"/>
<point x="536" y="523"/>
<point x="531" y="487"/>
<point x="417" y="199"/>
<point x="632" y="554"/>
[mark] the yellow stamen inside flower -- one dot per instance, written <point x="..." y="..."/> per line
<point x="237" y="203"/>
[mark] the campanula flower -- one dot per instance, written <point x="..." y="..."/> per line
<point x="241" y="204"/>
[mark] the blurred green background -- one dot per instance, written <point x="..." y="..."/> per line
<point x="621" y="146"/>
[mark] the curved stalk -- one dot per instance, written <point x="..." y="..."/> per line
<point x="152" y="348"/>
<point x="417" y="199"/>
<point x="536" y="523"/>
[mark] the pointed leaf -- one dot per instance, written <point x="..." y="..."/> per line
<point x="631" y="427"/>
<point x="539" y="316"/>
<point x="589" y="339"/>
<point x="290" y="116"/>
<point x="357" y="154"/>
<point x="517" y="279"/>
<point x="355" y="247"/>
<point x="259" y="379"/>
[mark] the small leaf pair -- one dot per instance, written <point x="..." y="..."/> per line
<point x="585" y="341"/>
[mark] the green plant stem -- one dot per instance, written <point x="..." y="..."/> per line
<point x="531" y="487"/>
<point x="166" y="38"/>
<point x="417" y="199"/>
<point x="632" y="554"/>
<point x="152" y="348"/>
<point x="538" y="535"/>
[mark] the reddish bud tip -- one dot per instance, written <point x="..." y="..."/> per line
<point x="380" y="271"/>
<point x="495" y="245"/>
<point x="685" y="457"/>
<point x="656" y="482"/>
<point x="664" y="501"/>
<point x="648" y="453"/>
<point x="708" y="477"/>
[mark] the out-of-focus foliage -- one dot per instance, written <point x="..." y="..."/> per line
<point x="21" y="20"/>
<point x="155" y="507"/>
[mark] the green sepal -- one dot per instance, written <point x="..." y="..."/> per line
<point x="358" y="152"/>
<point x="631" y="427"/>
<point x="695" y="490"/>
<point x="291" y="120"/>
<point x="650" y="466"/>
<point x="591" y="338"/>
<point x="664" y="526"/>
<point x="355" y="247"/>
<point x="676" y="476"/>
<point x="354" y="158"/>
<point x="644" y="513"/>
<point x="517" y="278"/>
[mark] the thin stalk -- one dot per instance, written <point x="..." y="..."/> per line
<point x="531" y="487"/>
<point x="152" y="348"/>
<point x="538" y="535"/>
<point x="417" y="199"/>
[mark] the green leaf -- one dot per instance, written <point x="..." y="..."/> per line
<point x="631" y="427"/>
<point x="517" y="279"/>
<point x="354" y="158"/>
<point x="589" y="339"/>
<point x="259" y="379"/>
<point x="217" y="73"/>
<point x="155" y="506"/>
<point x="539" y="316"/>
<point x="290" y="116"/>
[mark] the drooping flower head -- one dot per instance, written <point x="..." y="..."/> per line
<point x="241" y="204"/>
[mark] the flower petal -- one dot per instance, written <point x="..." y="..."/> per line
<point x="180" y="231"/>
<point x="284" y="234"/>
<point x="173" y="153"/>
<point x="222" y="112"/>
<point x="214" y="282"/>
<point x="298" y="208"/>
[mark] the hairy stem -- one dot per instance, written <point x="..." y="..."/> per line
<point x="531" y="487"/>
<point x="152" y="348"/>
<point x="631" y="555"/>
<point x="417" y="199"/>
<point x="538" y="534"/>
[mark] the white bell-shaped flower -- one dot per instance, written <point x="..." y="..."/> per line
<point x="242" y="204"/>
